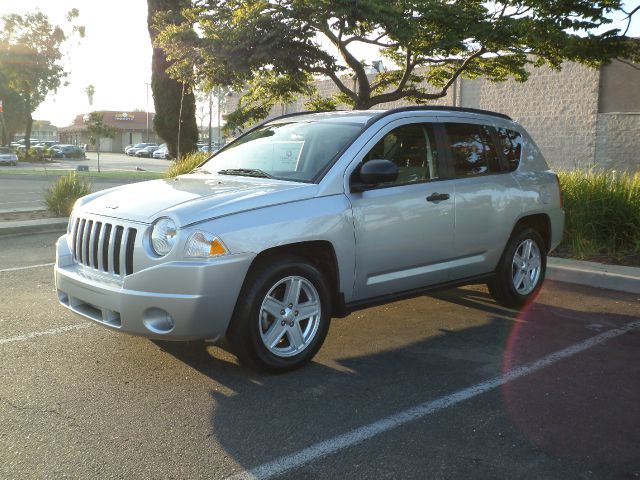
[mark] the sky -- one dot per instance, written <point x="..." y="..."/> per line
<point x="115" y="55"/>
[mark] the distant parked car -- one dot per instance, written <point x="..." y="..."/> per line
<point x="139" y="146"/>
<point x="127" y="147"/>
<point x="8" y="156"/>
<point x="66" y="151"/>
<point x="147" y="151"/>
<point x="21" y="142"/>
<point x="162" y="152"/>
<point x="205" y="149"/>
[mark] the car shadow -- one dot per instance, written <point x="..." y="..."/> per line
<point x="258" y="417"/>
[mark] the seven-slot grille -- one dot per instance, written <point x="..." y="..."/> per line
<point x="104" y="246"/>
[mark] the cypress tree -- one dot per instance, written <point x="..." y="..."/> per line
<point x="168" y="93"/>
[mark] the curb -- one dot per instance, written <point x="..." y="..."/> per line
<point x="593" y="274"/>
<point x="45" y="225"/>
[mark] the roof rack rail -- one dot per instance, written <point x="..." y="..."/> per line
<point x="441" y="108"/>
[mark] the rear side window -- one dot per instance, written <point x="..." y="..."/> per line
<point x="511" y="146"/>
<point x="472" y="151"/>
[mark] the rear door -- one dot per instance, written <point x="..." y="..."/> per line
<point x="403" y="232"/>
<point x="485" y="196"/>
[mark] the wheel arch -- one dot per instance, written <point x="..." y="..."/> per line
<point x="540" y="222"/>
<point x="320" y="253"/>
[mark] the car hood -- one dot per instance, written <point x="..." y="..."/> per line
<point x="193" y="198"/>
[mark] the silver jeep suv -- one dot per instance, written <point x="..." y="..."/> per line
<point x="312" y="216"/>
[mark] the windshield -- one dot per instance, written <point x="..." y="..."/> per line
<point x="288" y="151"/>
<point x="5" y="150"/>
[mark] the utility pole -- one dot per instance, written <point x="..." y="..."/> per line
<point x="210" y="115"/>
<point x="219" y="119"/>
<point x="3" y="131"/>
<point x="147" y="84"/>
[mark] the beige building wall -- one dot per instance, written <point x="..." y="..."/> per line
<point x="618" y="141"/>
<point x="620" y="87"/>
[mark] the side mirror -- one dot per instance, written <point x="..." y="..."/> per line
<point x="372" y="173"/>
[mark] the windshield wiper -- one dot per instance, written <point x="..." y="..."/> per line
<point x="246" y="172"/>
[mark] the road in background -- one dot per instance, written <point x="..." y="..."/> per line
<point x="109" y="162"/>
<point x="25" y="192"/>
<point x="79" y="400"/>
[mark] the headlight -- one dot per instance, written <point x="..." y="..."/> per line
<point x="163" y="236"/>
<point x="203" y="244"/>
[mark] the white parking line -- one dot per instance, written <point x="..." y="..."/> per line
<point x="53" y="331"/>
<point x="359" y="435"/>
<point x="15" y="269"/>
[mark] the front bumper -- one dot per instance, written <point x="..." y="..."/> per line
<point x="186" y="300"/>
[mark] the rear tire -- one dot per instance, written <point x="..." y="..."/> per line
<point x="521" y="270"/>
<point x="282" y="315"/>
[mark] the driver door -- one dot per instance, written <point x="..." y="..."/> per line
<point x="404" y="233"/>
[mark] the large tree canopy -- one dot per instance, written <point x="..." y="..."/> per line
<point x="31" y="57"/>
<point x="273" y="49"/>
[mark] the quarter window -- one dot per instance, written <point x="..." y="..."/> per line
<point x="472" y="151"/>
<point x="413" y="149"/>
<point x="511" y="145"/>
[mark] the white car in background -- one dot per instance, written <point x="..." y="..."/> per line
<point x="8" y="156"/>
<point x="162" y="152"/>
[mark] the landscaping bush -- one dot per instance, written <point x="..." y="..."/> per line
<point x="602" y="213"/>
<point x="186" y="164"/>
<point x="61" y="196"/>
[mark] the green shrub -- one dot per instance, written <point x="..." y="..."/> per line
<point x="602" y="213"/>
<point x="61" y="196"/>
<point x="186" y="164"/>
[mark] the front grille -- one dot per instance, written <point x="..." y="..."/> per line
<point x="107" y="247"/>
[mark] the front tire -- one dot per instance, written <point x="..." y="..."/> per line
<point x="282" y="315"/>
<point x="521" y="270"/>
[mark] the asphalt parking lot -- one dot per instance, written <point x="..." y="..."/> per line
<point x="442" y="386"/>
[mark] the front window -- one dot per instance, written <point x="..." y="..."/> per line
<point x="289" y="151"/>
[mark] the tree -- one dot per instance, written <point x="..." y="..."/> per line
<point x="175" y="119"/>
<point x="14" y="117"/>
<point x="90" y="91"/>
<point x="30" y="58"/>
<point x="98" y="129"/>
<point x="273" y="49"/>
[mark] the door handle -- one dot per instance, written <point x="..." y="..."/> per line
<point x="437" y="197"/>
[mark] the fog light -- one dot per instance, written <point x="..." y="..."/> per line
<point x="157" y="320"/>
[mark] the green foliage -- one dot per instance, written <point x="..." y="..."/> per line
<point x="61" y="196"/>
<point x="175" y="105"/>
<point x="428" y="43"/>
<point x="186" y="164"/>
<point x="98" y="129"/>
<point x="30" y="57"/>
<point x="15" y="113"/>
<point x="602" y="213"/>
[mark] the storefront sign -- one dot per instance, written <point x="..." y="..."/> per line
<point x="124" y="116"/>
